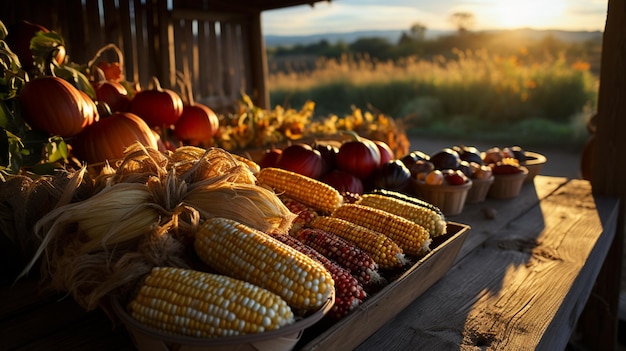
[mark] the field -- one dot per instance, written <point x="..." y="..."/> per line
<point x="475" y="94"/>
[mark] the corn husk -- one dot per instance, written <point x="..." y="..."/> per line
<point x="250" y="204"/>
<point x="195" y="164"/>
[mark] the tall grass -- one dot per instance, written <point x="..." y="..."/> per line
<point x="472" y="93"/>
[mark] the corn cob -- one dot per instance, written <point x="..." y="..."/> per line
<point x="192" y="303"/>
<point x="349" y="293"/>
<point x="410" y="199"/>
<point x="385" y="252"/>
<point x="305" y="214"/>
<point x="427" y="218"/>
<point x="236" y="250"/>
<point x="345" y="253"/>
<point x="411" y="237"/>
<point x="309" y="191"/>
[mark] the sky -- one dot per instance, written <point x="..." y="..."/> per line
<point x="342" y="16"/>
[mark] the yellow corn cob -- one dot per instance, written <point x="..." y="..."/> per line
<point x="384" y="251"/>
<point x="427" y="218"/>
<point x="191" y="303"/>
<point x="241" y="252"/>
<point x="309" y="191"/>
<point x="411" y="237"/>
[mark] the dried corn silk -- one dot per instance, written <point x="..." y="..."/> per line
<point x="24" y="201"/>
<point x="91" y="277"/>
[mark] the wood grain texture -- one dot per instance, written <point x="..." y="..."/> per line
<point x="522" y="289"/>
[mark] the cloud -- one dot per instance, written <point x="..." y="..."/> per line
<point x="343" y="16"/>
<point x="347" y="16"/>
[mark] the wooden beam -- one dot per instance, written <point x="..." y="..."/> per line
<point x="258" y="63"/>
<point x="599" y="321"/>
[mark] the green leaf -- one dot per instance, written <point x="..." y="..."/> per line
<point x="76" y="78"/>
<point x="56" y="149"/>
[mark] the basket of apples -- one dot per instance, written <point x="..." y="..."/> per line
<point x="480" y="173"/>
<point x="509" y="174"/>
<point x="442" y="180"/>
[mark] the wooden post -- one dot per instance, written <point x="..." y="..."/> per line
<point x="258" y="63"/>
<point x="598" y="323"/>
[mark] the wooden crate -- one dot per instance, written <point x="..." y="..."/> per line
<point x="382" y="306"/>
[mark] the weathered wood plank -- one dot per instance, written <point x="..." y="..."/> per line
<point x="505" y="210"/>
<point x="523" y="289"/>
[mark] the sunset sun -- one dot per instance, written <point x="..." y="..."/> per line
<point x="529" y="13"/>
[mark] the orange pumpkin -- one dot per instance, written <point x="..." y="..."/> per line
<point x="112" y="71"/>
<point x="113" y="93"/>
<point x="197" y="125"/>
<point x="107" y="139"/>
<point x="54" y="105"/>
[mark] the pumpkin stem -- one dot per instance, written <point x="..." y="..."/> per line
<point x="155" y="84"/>
<point x="354" y="135"/>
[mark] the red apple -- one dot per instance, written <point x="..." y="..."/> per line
<point x="270" y="157"/>
<point x="302" y="159"/>
<point x="386" y="154"/>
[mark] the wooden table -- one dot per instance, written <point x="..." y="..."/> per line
<point x="519" y="282"/>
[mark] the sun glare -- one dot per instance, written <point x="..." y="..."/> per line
<point x="529" y="13"/>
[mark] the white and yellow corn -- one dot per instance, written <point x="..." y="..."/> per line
<point x="192" y="303"/>
<point x="411" y="237"/>
<point x="236" y="250"/>
<point x="426" y="217"/>
<point x="309" y="191"/>
<point x="385" y="252"/>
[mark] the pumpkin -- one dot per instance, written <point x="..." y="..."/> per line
<point x="54" y="105"/>
<point x="19" y="37"/>
<point x="113" y="93"/>
<point x="157" y="106"/>
<point x="108" y="138"/>
<point x="197" y="125"/>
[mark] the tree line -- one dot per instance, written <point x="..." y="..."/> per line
<point x="522" y="44"/>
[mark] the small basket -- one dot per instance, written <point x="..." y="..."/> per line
<point x="285" y="338"/>
<point x="449" y="198"/>
<point x="478" y="191"/>
<point x="534" y="162"/>
<point x="507" y="186"/>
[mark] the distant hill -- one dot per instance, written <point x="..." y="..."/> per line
<point x="394" y="35"/>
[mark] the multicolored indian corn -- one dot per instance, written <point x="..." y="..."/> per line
<point x="385" y="252"/>
<point x="305" y="214"/>
<point x="347" y="254"/>
<point x="241" y="252"/>
<point x="349" y="293"/>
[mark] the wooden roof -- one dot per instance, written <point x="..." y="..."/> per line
<point x="243" y="6"/>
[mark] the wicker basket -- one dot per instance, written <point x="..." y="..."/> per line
<point x="507" y="186"/>
<point x="285" y="338"/>
<point x="478" y="191"/>
<point x="534" y="163"/>
<point x="449" y="198"/>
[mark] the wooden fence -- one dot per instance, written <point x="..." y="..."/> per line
<point x="222" y="53"/>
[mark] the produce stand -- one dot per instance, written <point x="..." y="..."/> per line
<point x="493" y="296"/>
<point x="496" y="259"/>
